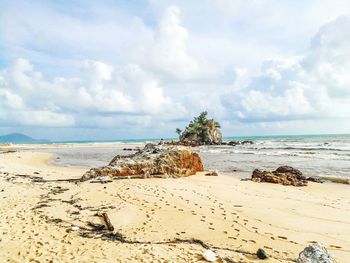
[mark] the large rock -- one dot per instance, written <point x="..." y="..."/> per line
<point x="315" y="253"/>
<point x="152" y="161"/>
<point x="285" y="175"/>
<point x="212" y="135"/>
<point x="201" y="131"/>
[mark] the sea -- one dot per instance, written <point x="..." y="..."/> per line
<point x="314" y="155"/>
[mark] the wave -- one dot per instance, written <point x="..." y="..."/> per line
<point x="301" y="148"/>
<point x="280" y="152"/>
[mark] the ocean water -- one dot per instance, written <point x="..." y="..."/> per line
<point x="314" y="155"/>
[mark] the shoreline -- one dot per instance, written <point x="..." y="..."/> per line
<point x="222" y="211"/>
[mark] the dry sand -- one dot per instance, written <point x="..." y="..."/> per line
<point x="233" y="217"/>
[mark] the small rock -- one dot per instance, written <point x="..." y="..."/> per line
<point x="315" y="253"/>
<point x="261" y="254"/>
<point x="211" y="174"/>
<point x="75" y="228"/>
<point x="315" y="179"/>
<point x="233" y="143"/>
<point x="209" y="255"/>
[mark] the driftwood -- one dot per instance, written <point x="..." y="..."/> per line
<point x="108" y="222"/>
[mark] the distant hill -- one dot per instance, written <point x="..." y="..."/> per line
<point x="19" y="138"/>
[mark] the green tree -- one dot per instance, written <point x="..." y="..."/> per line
<point x="199" y="127"/>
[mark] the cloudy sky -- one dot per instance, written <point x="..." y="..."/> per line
<point x="138" y="69"/>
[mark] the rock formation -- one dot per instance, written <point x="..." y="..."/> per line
<point x="234" y="143"/>
<point x="315" y="253"/>
<point x="284" y="175"/>
<point x="152" y="161"/>
<point x="201" y="131"/>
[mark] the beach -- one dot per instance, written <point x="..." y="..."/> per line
<point x="46" y="216"/>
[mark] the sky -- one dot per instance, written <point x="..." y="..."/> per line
<point x="85" y="70"/>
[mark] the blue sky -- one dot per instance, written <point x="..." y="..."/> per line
<point x="139" y="69"/>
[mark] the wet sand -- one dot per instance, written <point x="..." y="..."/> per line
<point x="158" y="217"/>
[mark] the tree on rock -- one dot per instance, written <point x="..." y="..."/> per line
<point x="201" y="130"/>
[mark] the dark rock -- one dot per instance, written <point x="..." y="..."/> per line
<point x="315" y="253"/>
<point x="211" y="174"/>
<point x="152" y="161"/>
<point x="233" y="143"/>
<point x="288" y="169"/>
<point x="285" y="175"/>
<point x="316" y="179"/>
<point x="261" y="254"/>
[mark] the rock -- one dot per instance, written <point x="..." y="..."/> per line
<point x="315" y="253"/>
<point x="211" y="174"/>
<point x="247" y="142"/>
<point x="127" y="149"/>
<point x="212" y="136"/>
<point x="234" y="143"/>
<point x="316" y="179"/>
<point x="152" y="161"/>
<point x="201" y="131"/>
<point x="288" y="169"/>
<point x="209" y="255"/>
<point x="261" y="254"/>
<point x="285" y="175"/>
<point x="75" y="228"/>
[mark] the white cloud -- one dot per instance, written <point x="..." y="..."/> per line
<point x="167" y="52"/>
<point x="315" y="85"/>
<point x="106" y="66"/>
<point x="59" y="102"/>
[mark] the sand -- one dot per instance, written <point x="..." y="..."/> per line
<point x="158" y="216"/>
